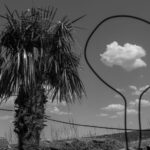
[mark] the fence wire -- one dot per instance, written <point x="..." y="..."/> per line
<point x="81" y="125"/>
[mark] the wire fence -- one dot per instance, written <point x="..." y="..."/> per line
<point x="81" y="125"/>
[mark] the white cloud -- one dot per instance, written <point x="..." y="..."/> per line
<point x="129" y="112"/>
<point x="114" y="116"/>
<point x="103" y="115"/>
<point x="56" y="110"/>
<point x="133" y="87"/>
<point x="128" y="56"/>
<point x="119" y="110"/>
<point x="137" y="91"/>
<point x="56" y="103"/>
<point x="54" y="107"/>
<point x="114" y="107"/>
<point x="144" y="103"/>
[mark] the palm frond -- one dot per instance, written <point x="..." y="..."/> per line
<point x="62" y="65"/>
<point x="77" y="19"/>
<point x="35" y="49"/>
<point x="18" y="42"/>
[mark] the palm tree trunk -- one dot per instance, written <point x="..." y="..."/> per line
<point x="29" y="118"/>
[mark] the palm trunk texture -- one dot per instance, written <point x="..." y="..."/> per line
<point x="29" y="118"/>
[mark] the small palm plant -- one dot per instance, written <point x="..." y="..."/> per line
<point x="36" y="58"/>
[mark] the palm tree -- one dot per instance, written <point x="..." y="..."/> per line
<point x="36" y="58"/>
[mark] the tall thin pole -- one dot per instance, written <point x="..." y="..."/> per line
<point x="139" y="116"/>
<point x="99" y="77"/>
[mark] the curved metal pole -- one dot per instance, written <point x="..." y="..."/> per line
<point x="139" y="116"/>
<point x="99" y="77"/>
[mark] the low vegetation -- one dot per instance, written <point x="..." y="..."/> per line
<point x="84" y="144"/>
<point x="105" y="142"/>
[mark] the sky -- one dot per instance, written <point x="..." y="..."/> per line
<point x="118" y="51"/>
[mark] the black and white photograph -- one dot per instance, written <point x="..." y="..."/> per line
<point x="75" y="75"/>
